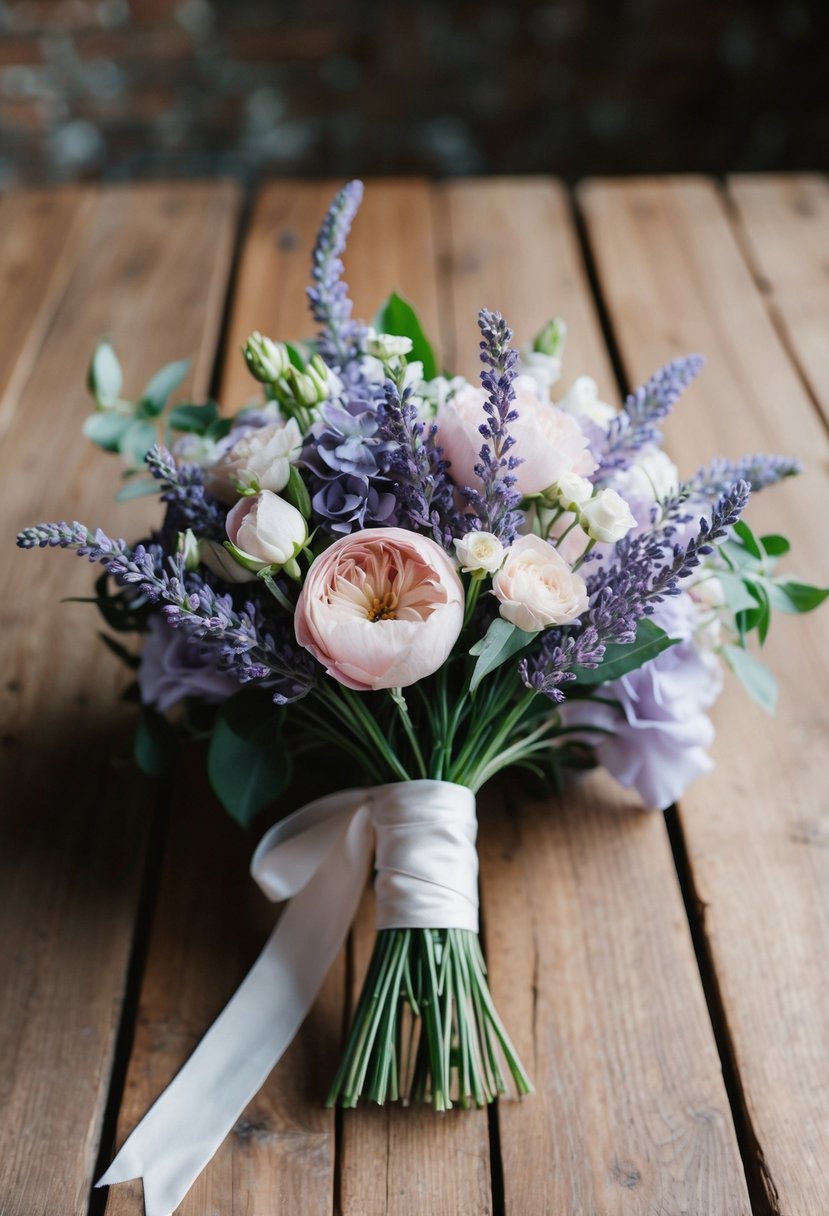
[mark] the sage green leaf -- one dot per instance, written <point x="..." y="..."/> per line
<point x="754" y="676"/>
<point x="619" y="659"/>
<point x="500" y="642"/>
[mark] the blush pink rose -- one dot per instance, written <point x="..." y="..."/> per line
<point x="549" y="441"/>
<point x="381" y="608"/>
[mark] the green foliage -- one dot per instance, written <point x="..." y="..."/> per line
<point x="755" y="677"/>
<point x="154" y="747"/>
<point x="247" y="764"/>
<point x="500" y="642"/>
<point x="619" y="659"/>
<point x="398" y="317"/>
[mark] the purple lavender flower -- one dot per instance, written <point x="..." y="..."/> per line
<point x="496" y="503"/>
<point x="173" y="667"/>
<point x="635" y="425"/>
<point x="341" y="340"/>
<point x="188" y="504"/>
<point x="759" y="471"/>
<point x="659" y="728"/>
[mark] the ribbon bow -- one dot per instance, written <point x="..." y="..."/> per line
<point x="319" y="859"/>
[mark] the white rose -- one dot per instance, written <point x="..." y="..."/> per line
<point x="582" y="401"/>
<point x="537" y="588"/>
<point x="260" y="460"/>
<point x="573" y="491"/>
<point x="544" y="369"/>
<point x="607" y="517"/>
<point x="386" y="346"/>
<point x="265" y="530"/>
<point x="479" y="551"/>
<point x="651" y="478"/>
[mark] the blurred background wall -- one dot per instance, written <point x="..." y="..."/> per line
<point x="132" y="88"/>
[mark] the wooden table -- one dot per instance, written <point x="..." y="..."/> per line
<point x="666" y="978"/>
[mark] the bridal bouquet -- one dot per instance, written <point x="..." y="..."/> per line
<point x="419" y="582"/>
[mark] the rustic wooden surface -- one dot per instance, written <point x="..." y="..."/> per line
<point x="125" y="924"/>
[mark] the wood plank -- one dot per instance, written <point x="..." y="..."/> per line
<point x="589" y="950"/>
<point x="39" y="234"/>
<point x="674" y="280"/>
<point x="784" y="224"/>
<point x="149" y="269"/>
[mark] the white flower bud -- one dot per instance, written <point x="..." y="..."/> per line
<point x="386" y="346"/>
<point x="265" y="531"/>
<point x="188" y="547"/>
<point x="267" y="360"/>
<point x="582" y="401"/>
<point x="572" y="492"/>
<point x="607" y="517"/>
<point x="479" y="551"/>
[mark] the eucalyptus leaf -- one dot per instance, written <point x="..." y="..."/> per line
<point x="246" y="773"/>
<point x="105" y="378"/>
<point x="398" y="317"/>
<point x="137" y="440"/>
<point x="755" y="677"/>
<point x="500" y="642"/>
<point x="193" y="419"/>
<point x="157" y="392"/>
<point x="737" y="595"/>
<point x="138" y="488"/>
<point x="107" y="430"/>
<point x="619" y="659"/>
<point x="788" y="595"/>
<point x="774" y="545"/>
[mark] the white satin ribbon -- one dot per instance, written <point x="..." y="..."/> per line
<point x="319" y="859"/>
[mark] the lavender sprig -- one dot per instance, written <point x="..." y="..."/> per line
<point x="414" y="463"/>
<point x="182" y="488"/>
<point x="759" y="471"/>
<point x="496" y="503"/>
<point x="341" y="339"/>
<point x="635" y="425"/>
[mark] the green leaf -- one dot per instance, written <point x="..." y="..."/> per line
<point x="105" y="378"/>
<point x="138" y="488"/>
<point x="136" y="441"/>
<point x="621" y="658"/>
<point x="107" y="430"/>
<point x="788" y="595"/>
<point x="500" y="642"/>
<point x="164" y="382"/>
<point x="297" y="494"/>
<point x="757" y="589"/>
<point x="755" y="677"/>
<point x="398" y="317"/>
<point x="193" y="419"/>
<point x="738" y="556"/>
<point x="299" y="354"/>
<point x="748" y="538"/>
<point x="737" y="595"/>
<point x="219" y="428"/>
<point x="774" y="545"/>
<point x="247" y="773"/>
<point x="120" y="652"/>
<point x="155" y="743"/>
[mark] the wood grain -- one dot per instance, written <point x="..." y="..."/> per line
<point x="756" y="829"/>
<point x="147" y="269"/>
<point x="784" y="224"/>
<point x="40" y="231"/>
<point x="590" y="956"/>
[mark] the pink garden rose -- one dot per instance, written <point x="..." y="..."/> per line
<point x="549" y="441"/>
<point x="381" y="608"/>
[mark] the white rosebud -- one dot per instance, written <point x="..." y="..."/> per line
<point x="607" y="517"/>
<point x="188" y="547"/>
<point x="582" y="401"/>
<point x="572" y="491"/>
<point x="267" y="360"/>
<point x="479" y="551"/>
<point x="387" y="346"/>
<point x="265" y="530"/>
<point x="260" y="460"/>
<point x="537" y="588"/>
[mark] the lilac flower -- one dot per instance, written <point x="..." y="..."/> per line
<point x="496" y="503"/>
<point x="414" y="464"/>
<point x="173" y="667"/>
<point x="635" y="425"/>
<point x="660" y="730"/>
<point x="341" y="340"/>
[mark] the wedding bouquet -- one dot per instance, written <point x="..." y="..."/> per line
<point x="419" y="582"/>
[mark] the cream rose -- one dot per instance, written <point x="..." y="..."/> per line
<point x="607" y="517"/>
<point x="265" y="530"/>
<point x="380" y="608"/>
<point x="537" y="588"/>
<point x="479" y="551"/>
<point x="582" y="401"/>
<point x="260" y="460"/>
<point x="549" y="443"/>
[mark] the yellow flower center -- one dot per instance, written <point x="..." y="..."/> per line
<point x="382" y="609"/>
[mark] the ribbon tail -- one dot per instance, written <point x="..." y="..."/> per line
<point x="183" y="1130"/>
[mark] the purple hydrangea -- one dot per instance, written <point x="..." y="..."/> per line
<point x="174" y="666"/>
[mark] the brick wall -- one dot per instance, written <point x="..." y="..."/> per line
<point x="125" y="88"/>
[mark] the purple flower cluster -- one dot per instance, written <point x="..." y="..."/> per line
<point x="341" y="339"/>
<point x="496" y="503"/>
<point x="759" y="471"/>
<point x="635" y="425"/>
<point x="182" y="488"/>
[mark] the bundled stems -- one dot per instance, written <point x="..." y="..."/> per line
<point x="426" y="1028"/>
